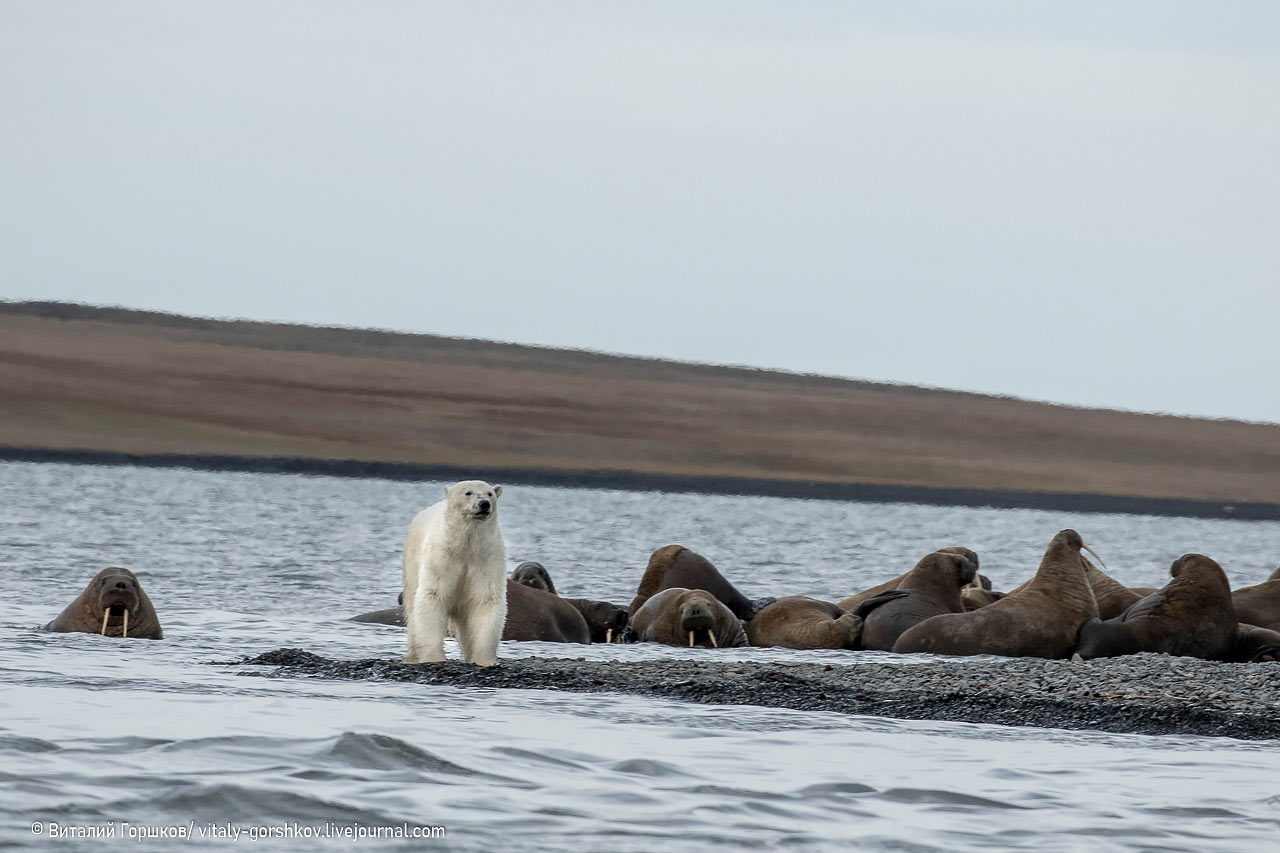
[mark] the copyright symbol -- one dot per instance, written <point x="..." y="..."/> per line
<point x="37" y="828"/>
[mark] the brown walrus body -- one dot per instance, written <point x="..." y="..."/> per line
<point x="798" y="622"/>
<point x="1259" y="605"/>
<point x="932" y="587"/>
<point x="686" y="617"/>
<point x="1255" y="645"/>
<point x="852" y="602"/>
<point x="537" y="615"/>
<point x="1191" y="616"/>
<point x="532" y="615"/>
<point x="975" y="597"/>
<point x="1041" y="619"/>
<point x="605" y="621"/>
<point x="535" y="575"/>
<point x="676" y="567"/>
<point x="1112" y="596"/>
<point x="113" y="604"/>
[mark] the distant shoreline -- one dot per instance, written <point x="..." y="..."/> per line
<point x="644" y="482"/>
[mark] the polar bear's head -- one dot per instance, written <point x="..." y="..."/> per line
<point x="473" y="499"/>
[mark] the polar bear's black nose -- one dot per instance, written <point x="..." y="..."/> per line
<point x="483" y="506"/>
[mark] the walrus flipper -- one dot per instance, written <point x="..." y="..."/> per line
<point x="758" y="604"/>
<point x="876" y="600"/>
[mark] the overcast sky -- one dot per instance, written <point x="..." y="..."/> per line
<point x="1076" y="202"/>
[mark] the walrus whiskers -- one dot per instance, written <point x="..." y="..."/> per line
<point x="125" y="632"/>
<point x="105" y="614"/>
<point x="1094" y="553"/>
<point x="712" y="635"/>
<point x="690" y="639"/>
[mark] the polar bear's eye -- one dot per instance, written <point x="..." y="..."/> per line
<point x="468" y="494"/>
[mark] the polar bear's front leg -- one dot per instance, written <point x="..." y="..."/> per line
<point x="426" y="620"/>
<point x="480" y="631"/>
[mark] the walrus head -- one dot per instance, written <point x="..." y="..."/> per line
<point x="117" y="597"/>
<point x="535" y="575"/>
<point x="473" y="499"/>
<point x="698" y="614"/>
<point x="1187" y="561"/>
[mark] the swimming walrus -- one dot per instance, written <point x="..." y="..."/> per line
<point x="1191" y="616"/>
<point x="686" y="617"/>
<point x="532" y="614"/>
<point x="605" y="621"/>
<point x="537" y="615"/>
<point x="1259" y="604"/>
<point x="535" y="575"/>
<point x="857" y="598"/>
<point x="798" y="622"/>
<point x="113" y="604"/>
<point x="676" y="567"/>
<point x="1041" y="619"/>
<point x="931" y="588"/>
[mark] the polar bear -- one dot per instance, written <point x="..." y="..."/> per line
<point x="455" y="575"/>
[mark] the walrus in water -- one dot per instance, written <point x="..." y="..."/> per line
<point x="676" y="567"/>
<point x="679" y="617"/>
<point x="798" y="622"/>
<point x="114" y="605"/>
<point x="534" y="575"/>
<point x="537" y="615"/>
<point x="932" y="587"/>
<point x="605" y="620"/>
<point x="1259" y="604"/>
<point x="1191" y="616"/>
<point x="532" y="614"/>
<point x="390" y="616"/>
<point x="857" y="598"/>
<point x="1041" y="619"/>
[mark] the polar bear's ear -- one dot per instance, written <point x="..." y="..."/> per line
<point x="448" y="490"/>
<point x="497" y="491"/>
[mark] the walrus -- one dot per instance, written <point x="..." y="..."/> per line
<point x="1112" y="596"/>
<point x="390" y="616"/>
<point x="1255" y="645"/>
<point x="537" y="615"/>
<point x="676" y="567"/>
<point x="931" y="588"/>
<point x="857" y="598"/>
<point x="114" y="605"/>
<point x="532" y="614"/>
<point x="798" y="622"/>
<point x="605" y="621"/>
<point x="1259" y="604"/>
<point x="1041" y="619"/>
<point x="1191" y="616"/>
<point x="680" y="617"/>
<point x="535" y="575"/>
<point x="975" y="597"/>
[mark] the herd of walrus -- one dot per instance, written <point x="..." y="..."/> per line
<point x="942" y="606"/>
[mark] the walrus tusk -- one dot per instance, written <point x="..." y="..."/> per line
<point x="125" y="632"/>
<point x="712" y="635"/>
<point x="690" y="639"/>
<point x="105" y="614"/>
<point x="1094" y="553"/>
<point x="608" y="635"/>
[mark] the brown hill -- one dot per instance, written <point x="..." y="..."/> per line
<point x="144" y="383"/>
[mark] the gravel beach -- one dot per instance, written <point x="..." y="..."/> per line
<point x="1139" y="694"/>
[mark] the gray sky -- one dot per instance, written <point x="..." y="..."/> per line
<point x="1075" y="202"/>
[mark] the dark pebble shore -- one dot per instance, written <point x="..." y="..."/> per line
<point x="1139" y="694"/>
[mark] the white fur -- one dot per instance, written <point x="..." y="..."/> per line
<point x="455" y="573"/>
